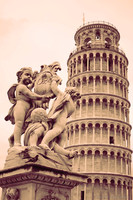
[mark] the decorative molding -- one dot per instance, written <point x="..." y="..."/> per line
<point x="36" y="177"/>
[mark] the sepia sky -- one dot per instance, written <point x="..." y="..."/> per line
<point x="37" y="32"/>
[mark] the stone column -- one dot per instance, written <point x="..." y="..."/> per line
<point x="86" y="132"/>
<point x="128" y="115"/>
<point x="125" y="138"/>
<point x="101" y="134"/>
<point x="80" y="101"/>
<point x="101" y="187"/>
<point x="81" y="64"/>
<point x="108" y="133"/>
<point x="76" y="65"/>
<point x="86" y="108"/>
<point x="88" y="62"/>
<point x="126" y="193"/>
<point x="118" y="87"/>
<point x="116" y="191"/>
<point x="114" y="109"/>
<point x="121" y="137"/>
<point x="74" y="133"/>
<point x="108" y="191"/>
<point x="108" y="162"/>
<point x="115" y="162"/>
<point x="120" y="109"/>
<point x="107" y="84"/>
<point x="101" y="102"/>
<point x="113" y="65"/>
<point x="126" y="165"/>
<point x="101" y="158"/>
<point x="93" y="161"/>
<point x="101" y="62"/>
<point x="124" y="110"/>
<point x="94" y="62"/>
<point x="129" y="166"/>
<point x="78" y="162"/>
<point x="129" y="139"/>
<point x="77" y="192"/>
<point x="93" y="133"/>
<point x="107" y="63"/>
<point x="122" y="69"/>
<point x="119" y="67"/>
<point x="108" y="106"/>
<point x="115" y="135"/>
<point x="85" y="155"/>
<point x="93" y="107"/>
<point x="123" y="90"/>
<point x="114" y="86"/>
<point x="122" y="194"/>
<point x="101" y="84"/>
<point x="93" y="190"/>
<point x="72" y="68"/>
<point x="81" y="84"/>
<point x="79" y="133"/>
<point x="121" y="163"/>
<point x="94" y="83"/>
<point x="131" y="192"/>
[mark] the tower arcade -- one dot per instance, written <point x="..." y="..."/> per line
<point x="100" y="128"/>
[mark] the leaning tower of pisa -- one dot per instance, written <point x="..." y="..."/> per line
<point x="100" y="129"/>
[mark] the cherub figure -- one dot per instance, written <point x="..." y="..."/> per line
<point x="37" y="128"/>
<point x="22" y="97"/>
<point x="62" y="108"/>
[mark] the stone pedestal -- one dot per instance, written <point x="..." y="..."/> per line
<point x="36" y="180"/>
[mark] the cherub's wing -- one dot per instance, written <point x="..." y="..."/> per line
<point x="11" y="94"/>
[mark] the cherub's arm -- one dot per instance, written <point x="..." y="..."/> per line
<point x="55" y="89"/>
<point x="22" y="89"/>
<point x="56" y="80"/>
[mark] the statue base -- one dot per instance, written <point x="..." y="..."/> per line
<point x="34" y="179"/>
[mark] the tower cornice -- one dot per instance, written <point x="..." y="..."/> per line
<point x="97" y="24"/>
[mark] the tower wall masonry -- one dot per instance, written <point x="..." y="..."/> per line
<point x="100" y="129"/>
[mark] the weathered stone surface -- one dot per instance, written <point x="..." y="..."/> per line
<point x="27" y="155"/>
<point x="34" y="181"/>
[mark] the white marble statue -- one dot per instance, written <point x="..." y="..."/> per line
<point x="28" y="113"/>
<point x="22" y="98"/>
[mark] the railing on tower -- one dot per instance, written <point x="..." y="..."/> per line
<point x="98" y="46"/>
<point x="96" y="22"/>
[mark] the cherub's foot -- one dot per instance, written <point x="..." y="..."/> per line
<point x="44" y="146"/>
<point x="72" y="154"/>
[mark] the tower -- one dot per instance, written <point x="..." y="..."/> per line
<point x="100" y="129"/>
